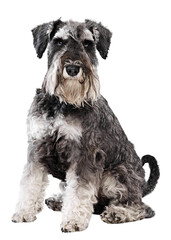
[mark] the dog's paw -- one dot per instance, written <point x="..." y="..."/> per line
<point x="53" y="204"/>
<point x="113" y="217"/>
<point x="21" y="217"/>
<point x="72" y="227"/>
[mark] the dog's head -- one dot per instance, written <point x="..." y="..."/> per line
<point x="72" y="58"/>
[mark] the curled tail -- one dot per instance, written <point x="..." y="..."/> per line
<point x="154" y="174"/>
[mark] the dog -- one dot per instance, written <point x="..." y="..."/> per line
<point x="74" y="135"/>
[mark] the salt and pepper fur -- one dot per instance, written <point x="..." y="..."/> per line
<point x="74" y="135"/>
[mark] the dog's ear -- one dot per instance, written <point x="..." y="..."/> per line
<point x="101" y="35"/>
<point x="42" y="34"/>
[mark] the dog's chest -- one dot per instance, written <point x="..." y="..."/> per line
<point x="40" y="126"/>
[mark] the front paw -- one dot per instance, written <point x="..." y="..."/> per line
<point x="23" y="217"/>
<point x="72" y="226"/>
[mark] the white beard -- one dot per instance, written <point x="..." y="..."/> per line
<point x="74" y="90"/>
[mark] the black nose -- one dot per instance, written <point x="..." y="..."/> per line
<point x="72" y="70"/>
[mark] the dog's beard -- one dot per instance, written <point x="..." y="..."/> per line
<point x="77" y="90"/>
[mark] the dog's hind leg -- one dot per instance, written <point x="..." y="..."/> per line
<point x="56" y="201"/>
<point x="126" y="213"/>
<point x="125" y="194"/>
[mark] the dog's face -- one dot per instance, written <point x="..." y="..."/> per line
<point x="72" y="58"/>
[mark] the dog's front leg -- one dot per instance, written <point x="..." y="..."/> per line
<point x="32" y="187"/>
<point x="78" y="200"/>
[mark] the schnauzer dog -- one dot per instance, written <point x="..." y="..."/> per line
<point x="74" y="135"/>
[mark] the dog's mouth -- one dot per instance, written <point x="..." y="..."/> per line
<point x="73" y="71"/>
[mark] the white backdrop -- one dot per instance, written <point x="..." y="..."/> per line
<point x="134" y="79"/>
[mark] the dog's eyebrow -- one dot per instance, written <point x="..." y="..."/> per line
<point x="62" y="33"/>
<point x="87" y="35"/>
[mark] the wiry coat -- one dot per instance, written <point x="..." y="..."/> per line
<point x="74" y="135"/>
<point x="103" y="147"/>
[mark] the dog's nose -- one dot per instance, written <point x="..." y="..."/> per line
<point x="72" y="70"/>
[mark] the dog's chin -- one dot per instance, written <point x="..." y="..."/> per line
<point x="72" y="90"/>
<point x="77" y="90"/>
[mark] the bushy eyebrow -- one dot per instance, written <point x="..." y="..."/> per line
<point x="87" y="35"/>
<point x="63" y="33"/>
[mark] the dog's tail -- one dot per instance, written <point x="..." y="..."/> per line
<point x="154" y="174"/>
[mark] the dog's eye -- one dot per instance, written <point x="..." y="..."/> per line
<point x="58" y="41"/>
<point x="87" y="43"/>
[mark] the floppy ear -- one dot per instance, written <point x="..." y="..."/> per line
<point x="102" y="37"/>
<point x="42" y="34"/>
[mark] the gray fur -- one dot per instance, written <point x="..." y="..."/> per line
<point x="74" y="135"/>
